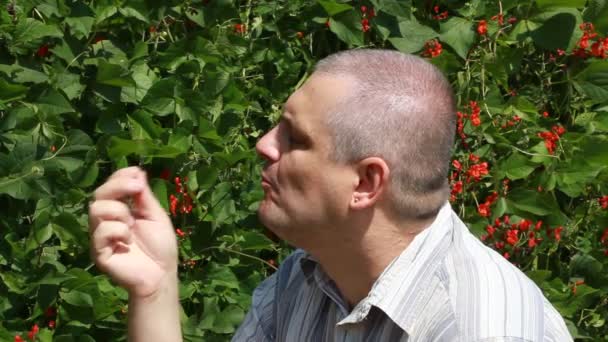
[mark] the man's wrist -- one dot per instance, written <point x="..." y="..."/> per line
<point x="167" y="285"/>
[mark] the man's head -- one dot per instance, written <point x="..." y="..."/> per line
<point x="370" y="130"/>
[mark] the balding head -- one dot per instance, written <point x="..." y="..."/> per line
<point x="401" y="109"/>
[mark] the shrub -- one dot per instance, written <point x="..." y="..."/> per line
<point x="185" y="88"/>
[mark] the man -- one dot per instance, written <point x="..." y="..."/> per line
<point x="356" y="177"/>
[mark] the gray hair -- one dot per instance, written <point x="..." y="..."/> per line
<point x="402" y="110"/>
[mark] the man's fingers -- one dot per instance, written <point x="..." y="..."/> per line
<point x="127" y="172"/>
<point x="108" y="234"/>
<point x="132" y="183"/>
<point x="118" y="187"/>
<point x="107" y="210"/>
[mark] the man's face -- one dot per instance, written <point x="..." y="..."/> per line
<point x="305" y="192"/>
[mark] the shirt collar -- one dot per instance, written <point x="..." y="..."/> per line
<point x="399" y="290"/>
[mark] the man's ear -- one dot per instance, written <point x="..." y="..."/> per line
<point x="373" y="177"/>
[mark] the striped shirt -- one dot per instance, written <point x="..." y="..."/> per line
<point x="445" y="286"/>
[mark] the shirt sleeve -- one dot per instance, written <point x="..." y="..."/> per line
<point x="258" y="325"/>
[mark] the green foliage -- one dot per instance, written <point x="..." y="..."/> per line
<point x="185" y="88"/>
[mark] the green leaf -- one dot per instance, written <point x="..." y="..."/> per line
<point x="176" y="55"/>
<point x="399" y="8"/>
<point x="558" y="29"/>
<point x="146" y="122"/>
<point x="594" y="149"/>
<point x="515" y="167"/>
<point x="52" y="277"/>
<point x="89" y="174"/>
<point x="600" y="121"/>
<point x="597" y="13"/>
<point x="414" y="35"/>
<point x="133" y="13"/>
<point x="77" y="298"/>
<point x="180" y="142"/>
<point x="578" y="171"/>
<point x="52" y="8"/>
<point x="585" y="297"/>
<point x="144" y="78"/>
<point x="207" y="176"/>
<point x="251" y="240"/>
<point x="80" y="26"/>
<point x="187" y="289"/>
<point x="221" y="276"/>
<point x="118" y="148"/>
<point x="216" y="82"/>
<point x="192" y="181"/>
<point x="15" y="186"/>
<point x="105" y="13"/>
<point x="69" y="84"/>
<point x="29" y="30"/>
<point x="223" y="206"/>
<point x="69" y="230"/>
<point x="458" y="33"/>
<point x="540" y="204"/>
<point x="45" y="335"/>
<point x="227" y="321"/>
<point x="197" y="17"/>
<point x="40" y="233"/>
<point x="114" y="75"/>
<point x="546" y="4"/>
<point x="210" y="313"/>
<point x="43" y="233"/>
<point x="14" y="281"/>
<point x="6" y="335"/>
<point x="53" y="103"/>
<point x="160" y="98"/>
<point x="585" y="266"/>
<point x="73" y="338"/>
<point x="332" y="8"/>
<point x="159" y="187"/>
<point x="68" y="163"/>
<point x="593" y="81"/>
<point x="10" y="92"/>
<point x="347" y="27"/>
<point x="63" y="50"/>
<point x="522" y="30"/>
<point x="21" y="74"/>
<point x="140" y="50"/>
<point x="539" y="276"/>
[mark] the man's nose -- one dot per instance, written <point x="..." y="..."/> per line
<point x="268" y="146"/>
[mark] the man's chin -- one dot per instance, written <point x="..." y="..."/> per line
<point x="272" y="221"/>
<point x="268" y="221"/>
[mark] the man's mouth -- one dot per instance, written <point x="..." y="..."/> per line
<point x="266" y="183"/>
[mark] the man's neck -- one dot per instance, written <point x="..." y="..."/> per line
<point x="356" y="261"/>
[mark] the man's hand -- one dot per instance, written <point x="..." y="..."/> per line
<point x="136" y="246"/>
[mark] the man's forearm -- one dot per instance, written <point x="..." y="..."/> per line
<point x="156" y="317"/>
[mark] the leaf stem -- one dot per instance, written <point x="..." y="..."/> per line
<point x="533" y="154"/>
<point x="242" y="254"/>
<point x="16" y="179"/>
<point x="65" y="142"/>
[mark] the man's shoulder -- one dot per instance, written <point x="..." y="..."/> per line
<point x="468" y="260"/>
<point x="469" y="257"/>
<point x="480" y="283"/>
